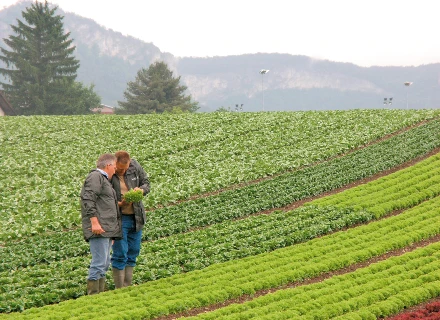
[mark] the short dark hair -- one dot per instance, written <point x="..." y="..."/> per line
<point x="122" y="157"/>
<point x="104" y="160"/>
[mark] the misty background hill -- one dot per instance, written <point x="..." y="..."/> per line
<point x="109" y="60"/>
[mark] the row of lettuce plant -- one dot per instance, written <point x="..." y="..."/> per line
<point x="375" y="292"/>
<point x="241" y="202"/>
<point x="294" y="186"/>
<point x="401" y="190"/>
<point x="224" y="242"/>
<point x="315" y="137"/>
<point x="431" y="311"/>
<point x="224" y="281"/>
<point x="28" y="287"/>
<point x="44" y="190"/>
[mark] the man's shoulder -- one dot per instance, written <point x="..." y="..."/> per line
<point x="134" y="162"/>
<point x="135" y="165"/>
<point x="95" y="175"/>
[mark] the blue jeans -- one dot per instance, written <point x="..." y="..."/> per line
<point x="126" y="250"/>
<point x="100" y="250"/>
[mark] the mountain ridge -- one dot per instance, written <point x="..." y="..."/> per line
<point x="110" y="59"/>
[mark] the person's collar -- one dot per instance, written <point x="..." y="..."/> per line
<point x="103" y="172"/>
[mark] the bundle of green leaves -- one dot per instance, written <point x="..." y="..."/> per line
<point x="133" y="196"/>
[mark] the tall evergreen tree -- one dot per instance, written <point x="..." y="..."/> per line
<point x="41" y="67"/>
<point x="155" y="90"/>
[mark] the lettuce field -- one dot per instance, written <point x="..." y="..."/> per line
<point x="277" y="215"/>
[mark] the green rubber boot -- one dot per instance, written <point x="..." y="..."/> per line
<point x="118" y="277"/>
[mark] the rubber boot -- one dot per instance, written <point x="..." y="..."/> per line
<point x="92" y="287"/>
<point x="128" y="276"/>
<point x="102" y="284"/>
<point x="118" y="277"/>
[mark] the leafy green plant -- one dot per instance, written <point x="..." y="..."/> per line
<point x="133" y="196"/>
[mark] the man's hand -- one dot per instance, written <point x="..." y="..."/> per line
<point x="96" y="226"/>
<point x="123" y="203"/>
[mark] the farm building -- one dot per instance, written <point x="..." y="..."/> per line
<point x="104" y="109"/>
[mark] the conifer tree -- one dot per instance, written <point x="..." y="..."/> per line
<point x="41" y="65"/>
<point x="155" y="90"/>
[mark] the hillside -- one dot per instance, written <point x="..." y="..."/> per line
<point x="323" y="210"/>
<point x="110" y="59"/>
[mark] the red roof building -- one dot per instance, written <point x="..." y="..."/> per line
<point x="104" y="109"/>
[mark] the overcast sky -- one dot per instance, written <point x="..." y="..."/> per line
<point x="374" y="32"/>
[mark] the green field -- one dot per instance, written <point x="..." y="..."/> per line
<point x="206" y="241"/>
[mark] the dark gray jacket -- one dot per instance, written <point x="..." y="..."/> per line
<point x="135" y="176"/>
<point x="98" y="199"/>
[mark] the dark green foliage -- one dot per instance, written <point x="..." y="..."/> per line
<point x="41" y="68"/>
<point x="79" y="99"/>
<point x="155" y="90"/>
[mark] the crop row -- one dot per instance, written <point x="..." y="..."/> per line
<point x="43" y="193"/>
<point x="199" y="249"/>
<point x="309" y="138"/>
<point x="233" y="279"/>
<point x="397" y="191"/>
<point x="429" y="312"/>
<point x="372" y="293"/>
<point x="26" y="288"/>
<point x="294" y="186"/>
<point x="268" y="194"/>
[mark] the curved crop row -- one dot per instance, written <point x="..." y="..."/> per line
<point x="224" y="281"/>
<point x="296" y="185"/>
<point x="248" y="200"/>
<point x="400" y="190"/>
<point x="308" y="138"/>
<point x="374" y="292"/>
<point x="26" y="288"/>
<point x="43" y="194"/>
<point x="429" y="312"/>
<point x="219" y="243"/>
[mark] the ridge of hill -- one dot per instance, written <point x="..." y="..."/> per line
<point x="110" y="60"/>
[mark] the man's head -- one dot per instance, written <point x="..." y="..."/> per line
<point x="122" y="162"/>
<point x="107" y="163"/>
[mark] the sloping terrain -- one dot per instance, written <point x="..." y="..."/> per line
<point x="277" y="230"/>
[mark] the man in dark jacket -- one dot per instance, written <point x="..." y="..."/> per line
<point x="129" y="176"/>
<point x="101" y="220"/>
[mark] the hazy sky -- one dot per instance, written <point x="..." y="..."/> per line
<point x="374" y="32"/>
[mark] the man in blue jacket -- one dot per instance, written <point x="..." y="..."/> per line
<point x="101" y="220"/>
<point x="129" y="175"/>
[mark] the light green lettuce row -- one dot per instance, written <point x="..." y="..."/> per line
<point x="233" y="279"/>
<point x="400" y="190"/>
<point x="223" y="242"/>
<point x="380" y="290"/>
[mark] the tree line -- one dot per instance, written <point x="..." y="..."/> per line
<point x="41" y="70"/>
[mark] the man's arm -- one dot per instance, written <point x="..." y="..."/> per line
<point x="92" y="187"/>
